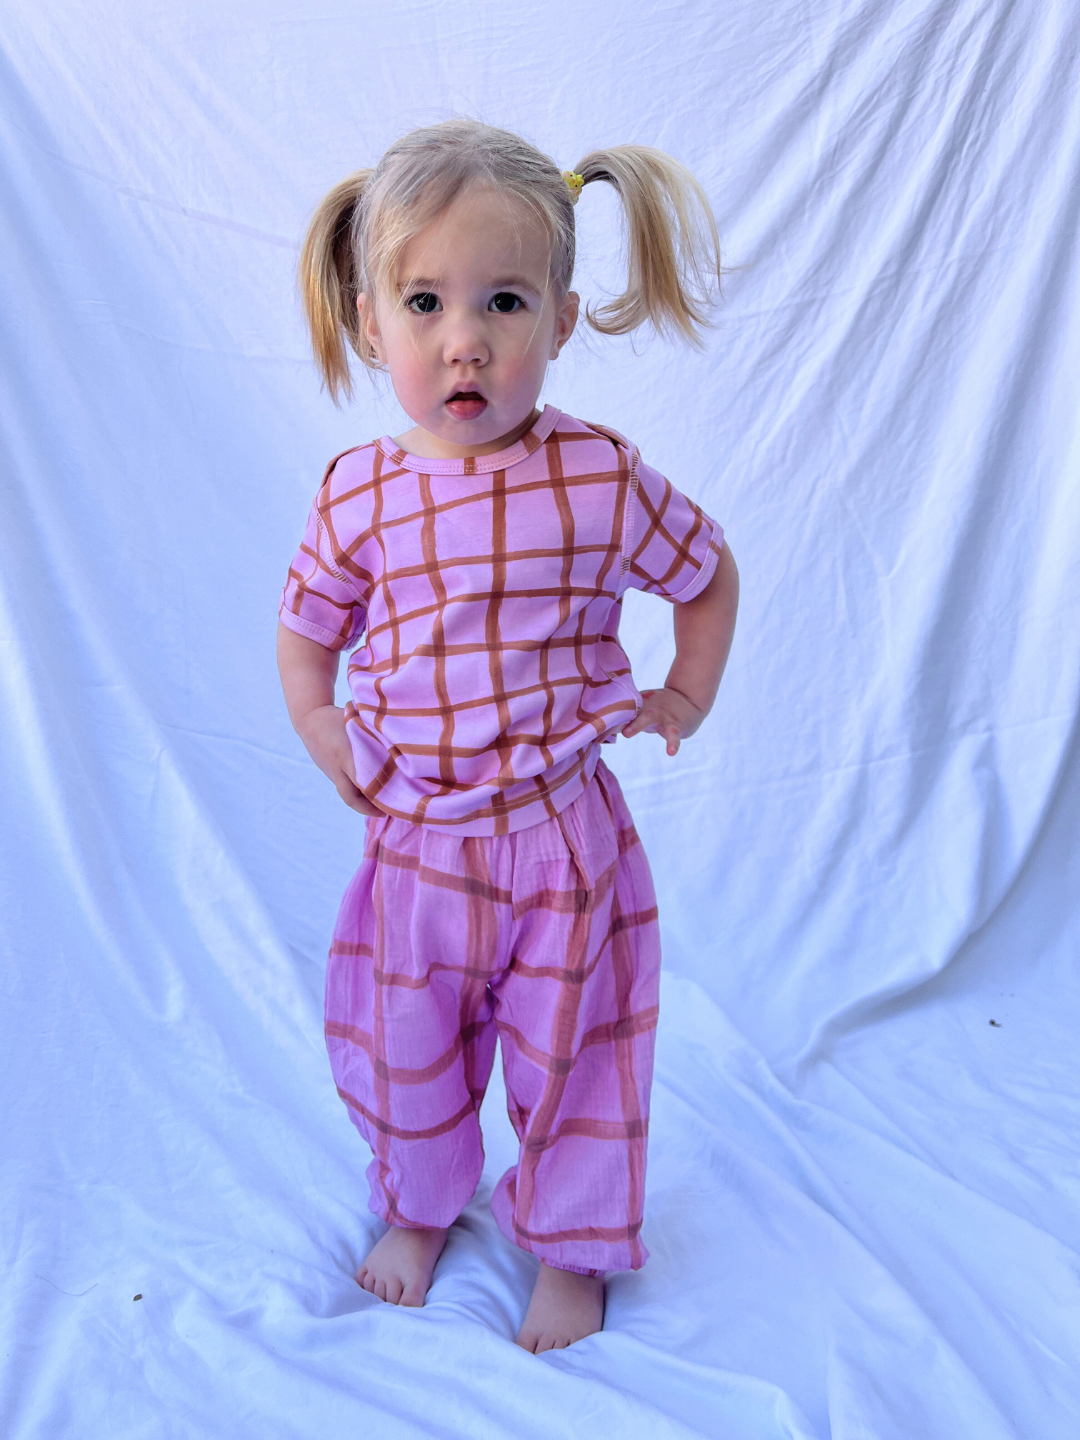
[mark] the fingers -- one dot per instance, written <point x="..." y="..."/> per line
<point x="647" y="719"/>
<point x="348" y="764"/>
<point x="651" y="722"/>
<point x="348" y="792"/>
<point x="354" y="797"/>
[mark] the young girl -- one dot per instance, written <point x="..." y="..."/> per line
<point x="481" y="557"/>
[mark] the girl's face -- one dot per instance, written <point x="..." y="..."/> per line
<point x="478" y="321"/>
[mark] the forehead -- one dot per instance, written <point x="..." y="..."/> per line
<point x="482" y="232"/>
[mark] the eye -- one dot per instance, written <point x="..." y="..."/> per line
<point x="425" y="303"/>
<point x="505" y="303"/>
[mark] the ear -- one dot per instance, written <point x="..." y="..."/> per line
<point x="368" y="322"/>
<point x="565" y="321"/>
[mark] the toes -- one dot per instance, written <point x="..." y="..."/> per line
<point x="527" y="1340"/>
<point x="538" y="1344"/>
<point x="412" y="1295"/>
<point x="390" y="1290"/>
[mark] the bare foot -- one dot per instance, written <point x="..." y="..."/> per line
<point x="564" y="1307"/>
<point x="399" y="1266"/>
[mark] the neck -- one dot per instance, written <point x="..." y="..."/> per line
<point x="419" y="441"/>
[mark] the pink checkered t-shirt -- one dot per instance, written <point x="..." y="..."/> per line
<point x="487" y="592"/>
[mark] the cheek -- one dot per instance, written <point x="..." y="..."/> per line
<point x="409" y="369"/>
<point x="531" y="354"/>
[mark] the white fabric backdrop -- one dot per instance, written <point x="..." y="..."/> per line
<point x="863" y="1194"/>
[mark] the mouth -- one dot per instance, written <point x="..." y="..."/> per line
<point x="466" y="404"/>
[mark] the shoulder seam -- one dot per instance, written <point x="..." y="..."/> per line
<point x="620" y="441"/>
<point x="330" y="565"/>
<point x="352" y="450"/>
<point x="626" y="552"/>
<point x="633" y="455"/>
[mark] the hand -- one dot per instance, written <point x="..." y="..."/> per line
<point x="668" y="713"/>
<point x="323" y="733"/>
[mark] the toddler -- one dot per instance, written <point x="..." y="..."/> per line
<point x="475" y="567"/>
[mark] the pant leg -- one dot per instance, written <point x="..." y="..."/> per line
<point x="576" y="1012"/>
<point x="409" y="1016"/>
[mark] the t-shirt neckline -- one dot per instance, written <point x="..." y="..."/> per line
<point x="475" y="464"/>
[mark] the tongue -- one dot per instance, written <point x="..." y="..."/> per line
<point x="466" y="405"/>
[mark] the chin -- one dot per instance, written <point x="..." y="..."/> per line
<point x="471" y="432"/>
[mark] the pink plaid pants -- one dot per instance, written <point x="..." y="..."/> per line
<point x="547" y="938"/>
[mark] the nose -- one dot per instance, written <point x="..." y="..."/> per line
<point x="464" y="340"/>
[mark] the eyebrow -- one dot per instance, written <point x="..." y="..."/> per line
<point x="518" y="282"/>
<point x="502" y="282"/>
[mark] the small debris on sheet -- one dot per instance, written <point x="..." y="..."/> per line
<point x="139" y="1296"/>
<point x="997" y="1023"/>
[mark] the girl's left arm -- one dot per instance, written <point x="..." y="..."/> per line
<point x="703" y="630"/>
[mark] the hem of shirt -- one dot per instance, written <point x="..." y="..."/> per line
<point x="705" y="574"/>
<point x="517" y="820"/>
<point x="331" y="639"/>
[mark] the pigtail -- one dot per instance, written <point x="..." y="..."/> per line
<point x="330" y="284"/>
<point x="673" y="246"/>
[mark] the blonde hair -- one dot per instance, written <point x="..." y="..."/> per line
<point x="358" y="232"/>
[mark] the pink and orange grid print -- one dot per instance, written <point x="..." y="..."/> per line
<point x="504" y="892"/>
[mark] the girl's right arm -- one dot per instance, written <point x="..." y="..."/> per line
<point x="308" y="671"/>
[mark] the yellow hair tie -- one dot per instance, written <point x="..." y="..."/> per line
<point x="574" y="182"/>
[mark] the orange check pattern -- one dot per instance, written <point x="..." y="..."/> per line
<point x="546" y="938"/>
<point x="487" y="592"/>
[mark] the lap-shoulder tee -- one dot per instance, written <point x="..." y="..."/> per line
<point x="486" y="593"/>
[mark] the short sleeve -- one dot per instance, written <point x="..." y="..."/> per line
<point x="671" y="546"/>
<point x="318" y="600"/>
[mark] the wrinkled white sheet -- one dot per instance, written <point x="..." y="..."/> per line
<point x="864" y="1186"/>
